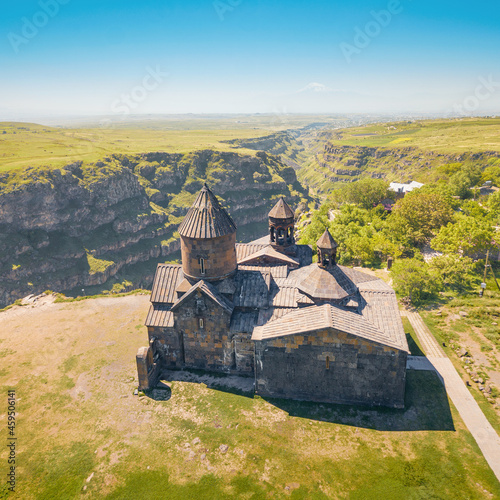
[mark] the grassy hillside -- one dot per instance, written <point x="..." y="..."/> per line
<point x="448" y="136"/>
<point x="23" y="144"/>
<point x="401" y="151"/>
<point x="82" y="433"/>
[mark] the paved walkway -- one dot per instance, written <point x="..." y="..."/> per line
<point x="469" y="410"/>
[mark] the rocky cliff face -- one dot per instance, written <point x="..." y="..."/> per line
<point x="349" y="163"/>
<point x="88" y="225"/>
<point x="321" y="164"/>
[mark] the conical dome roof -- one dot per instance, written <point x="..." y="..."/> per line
<point x="281" y="210"/>
<point x="326" y="241"/>
<point x="206" y="218"/>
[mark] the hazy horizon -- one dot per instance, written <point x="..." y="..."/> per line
<point x="74" y="58"/>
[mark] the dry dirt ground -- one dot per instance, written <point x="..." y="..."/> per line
<point x="83" y="434"/>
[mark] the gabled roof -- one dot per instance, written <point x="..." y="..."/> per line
<point x="326" y="241"/>
<point x="245" y="249"/>
<point x="281" y="210"/>
<point x="309" y="319"/>
<point x="269" y="253"/>
<point x="167" y="278"/>
<point x="206" y="218"/>
<point x="209" y="291"/>
<point x="276" y="270"/>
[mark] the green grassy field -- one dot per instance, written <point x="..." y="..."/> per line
<point x="465" y="134"/>
<point x="23" y="144"/>
<point x="82" y="433"/>
<point x="30" y="144"/>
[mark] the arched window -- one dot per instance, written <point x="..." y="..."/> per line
<point x="202" y="265"/>
<point x="328" y="362"/>
<point x="202" y="323"/>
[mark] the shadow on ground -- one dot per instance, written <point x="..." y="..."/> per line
<point x="426" y="402"/>
<point x="426" y="408"/>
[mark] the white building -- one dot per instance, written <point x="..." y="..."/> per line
<point x="402" y="189"/>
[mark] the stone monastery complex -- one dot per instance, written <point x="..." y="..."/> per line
<point x="308" y="331"/>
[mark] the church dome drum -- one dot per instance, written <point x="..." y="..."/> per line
<point x="208" y="239"/>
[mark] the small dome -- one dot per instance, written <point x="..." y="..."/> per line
<point x="281" y="210"/>
<point x="326" y="242"/>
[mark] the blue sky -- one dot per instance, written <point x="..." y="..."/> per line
<point x="245" y="56"/>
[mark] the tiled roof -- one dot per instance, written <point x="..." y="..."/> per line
<point x="304" y="254"/>
<point x="252" y="289"/>
<point x="303" y="299"/>
<point x="263" y="240"/>
<point x="326" y="241"/>
<point x="313" y="318"/>
<point x="243" y="322"/>
<point x="276" y="271"/>
<point x="167" y="278"/>
<point x="160" y="316"/>
<point x="381" y="309"/>
<point x="243" y="250"/>
<point x="272" y="314"/>
<point x="283" y="297"/>
<point x="281" y="210"/>
<point x="268" y="253"/>
<point x="376" y="284"/>
<point x="325" y="284"/>
<point x="206" y="218"/>
<point x="358" y="277"/>
<point x="208" y="290"/>
<point x="226" y="286"/>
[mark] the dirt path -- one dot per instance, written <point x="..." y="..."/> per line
<point x="482" y="431"/>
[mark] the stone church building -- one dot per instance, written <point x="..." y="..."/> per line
<point x="308" y="331"/>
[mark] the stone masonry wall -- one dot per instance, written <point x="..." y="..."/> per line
<point x="244" y="353"/>
<point x="206" y="347"/>
<point x="169" y="345"/>
<point x="330" y="366"/>
<point x="219" y="255"/>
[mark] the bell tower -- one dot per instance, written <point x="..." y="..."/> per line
<point x="281" y="226"/>
<point x="327" y="251"/>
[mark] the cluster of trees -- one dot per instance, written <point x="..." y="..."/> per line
<point x="460" y="229"/>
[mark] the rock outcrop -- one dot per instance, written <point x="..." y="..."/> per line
<point x="89" y="225"/>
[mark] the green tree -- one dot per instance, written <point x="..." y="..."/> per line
<point x="467" y="177"/>
<point x="386" y="247"/>
<point x="456" y="272"/>
<point x="474" y="209"/>
<point x="412" y="279"/>
<point x="357" y="249"/>
<point x="418" y="216"/>
<point x="467" y="236"/>
<point x="493" y="204"/>
<point x="365" y="193"/>
<point x="313" y="231"/>
<point x="492" y="174"/>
